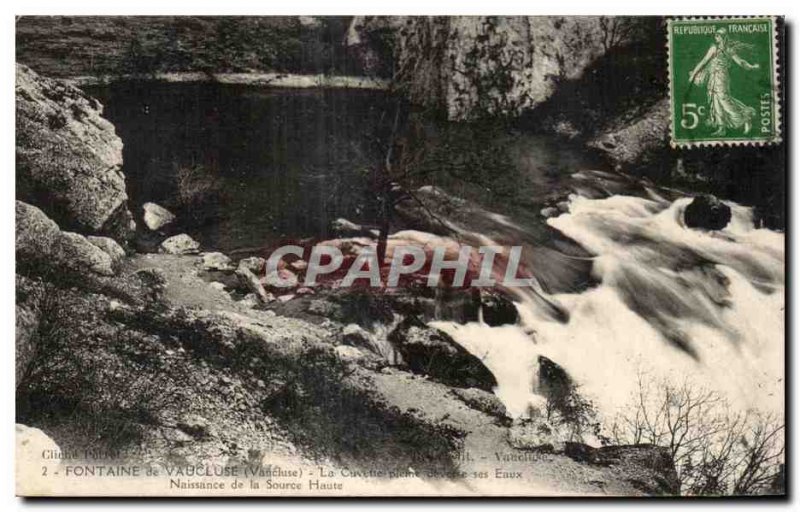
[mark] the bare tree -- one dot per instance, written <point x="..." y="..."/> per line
<point x="715" y="451"/>
<point x="617" y="30"/>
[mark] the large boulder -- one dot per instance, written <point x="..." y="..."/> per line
<point x="429" y="351"/>
<point x="356" y="336"/>
<point x="216" y="261"/>
<point x="35" y="233"/>
<point x="180" y="244"/>
<point x="32" y="443"/>
<point x="707" y="212"/>
<point x="69" y="159"/>
<point x="109" y="246"/>
<point x="498" y="310"/>
<point x="156" y="217"/>
<point x="76" y="251"/>
<point x="42" y="247"/>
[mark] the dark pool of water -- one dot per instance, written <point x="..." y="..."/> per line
<point x="267" y="163"/>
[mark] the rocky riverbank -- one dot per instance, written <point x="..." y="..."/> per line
<point x="190" y="357"/>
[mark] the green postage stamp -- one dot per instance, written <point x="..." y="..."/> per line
<point x="724" y="81"/>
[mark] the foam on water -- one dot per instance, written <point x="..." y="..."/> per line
<point x="673" y="303"/>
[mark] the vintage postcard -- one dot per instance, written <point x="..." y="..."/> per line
<point x="350" y="256"/>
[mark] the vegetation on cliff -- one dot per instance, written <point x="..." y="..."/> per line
<point x="67" y="46"/>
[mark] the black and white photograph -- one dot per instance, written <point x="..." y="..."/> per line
<point x="400" y="255"/>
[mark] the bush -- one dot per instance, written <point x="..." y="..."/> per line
<point x="199" y="190"/>
<point x="96" y="383"/>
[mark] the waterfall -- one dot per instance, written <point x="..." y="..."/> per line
<point x="672" y="302"/>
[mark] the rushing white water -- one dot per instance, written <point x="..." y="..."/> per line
<point x="673" y="303"/>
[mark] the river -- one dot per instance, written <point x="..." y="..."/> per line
<point x="624" y="289"/>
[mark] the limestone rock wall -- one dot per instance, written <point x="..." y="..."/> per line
<point x="498" y="65"/>
<point x="69" y="158"/>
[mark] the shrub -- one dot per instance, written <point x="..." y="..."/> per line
<point x="199" y="190"/>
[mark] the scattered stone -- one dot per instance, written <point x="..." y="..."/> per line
<point x="634" y="141"/>
<point x="707" y="212"/>
<point x="216" y="261"/>
<point x="286" y="298"/>
<point x="180" y="244"/>
<point x="217" y="286"/>
<point x="305" y="291"/>
<point x="254" y="264"/>
<point x="461" y="306"/>
<point x="280" y="279"/>
<point x="251" y="282"/>
<point x="108" y="246"/>
<point x="429" y="351"/>
<point x="156" y="217"/>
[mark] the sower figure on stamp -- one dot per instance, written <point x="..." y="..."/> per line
<point x="725" y="111"/>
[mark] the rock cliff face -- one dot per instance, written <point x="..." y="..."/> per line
<point x="597" y="80"/>
<point x="69" y="159"/>
<point x="499" y="65"/>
